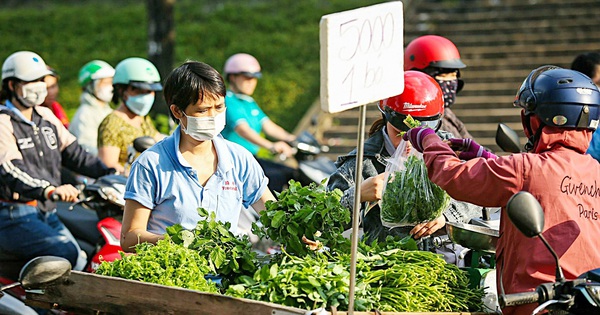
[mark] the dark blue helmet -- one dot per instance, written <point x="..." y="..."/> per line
<point x="560" y="98"/>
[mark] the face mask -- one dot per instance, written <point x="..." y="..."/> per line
<point x="33" y="94"/>
<point x="449" y="88"/>
<point x="204" y="128"/>
<point x="103" y="93"/>
<point x="140" y="104"/>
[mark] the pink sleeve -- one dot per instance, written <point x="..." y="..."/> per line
<point x="484" y="182"/>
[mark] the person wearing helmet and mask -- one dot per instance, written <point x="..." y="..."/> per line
<point x="560" y="108"/>
<point x="34" y="145"/>
<point x="95" y="80"/>
<point x="193" y="167"/>
<point x="422" y="99"/>
<point x="51" y="99"/>
<point x="438" y="57"/>
<point x="135" y="82"/>
<point x="246" y="120"/>
<point x="589" y="64"/>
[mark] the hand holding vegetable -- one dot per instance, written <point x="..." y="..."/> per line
<point x="469" y="149"/>
<point x="416" y="135"/>
<point x="428" y="228"/>
<point x="372" y="188"/>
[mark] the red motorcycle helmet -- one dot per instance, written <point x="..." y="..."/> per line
<point x="432" y="51"/>
<point x="422" y="99"/>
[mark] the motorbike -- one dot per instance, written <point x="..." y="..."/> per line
<point x="311" y="166"/>
<point x="306" y="167"/>
<point x="36" y="273"/>
<point x="577" y="296"/>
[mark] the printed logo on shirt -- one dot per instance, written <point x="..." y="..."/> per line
<point x="25" y="143"/>
<point x="254" y="112"/>
<point x="50" y="137"/>
<point x="228" y="185"/>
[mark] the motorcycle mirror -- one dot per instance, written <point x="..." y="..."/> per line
<point x="43" y="270"/>
<point x="507" y="139"/>
<point x="140" y="144"/>
<point x="525" y="212"/>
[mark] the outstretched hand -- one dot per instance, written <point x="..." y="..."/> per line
<point x="416" y="136"/>
<point x="469" y="149"/>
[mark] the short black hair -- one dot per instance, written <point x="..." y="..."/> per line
<point x="191" y="82"/>
<point x="586" y="63"/>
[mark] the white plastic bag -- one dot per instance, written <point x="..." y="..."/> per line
<point x="409" y="197"/>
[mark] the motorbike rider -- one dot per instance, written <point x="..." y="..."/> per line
<point x="135" y="83"/>
<point x="246" y="120"/>
<point x="33" y="146"/>
<point x="422" y="99"/>
<point x="589" y="64"/>
<point x="560" y="109"/>
<point x="96" y="80"/>
<point x="438" y="57"/>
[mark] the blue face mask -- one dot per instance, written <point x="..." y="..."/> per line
<point x="140" y="104"/>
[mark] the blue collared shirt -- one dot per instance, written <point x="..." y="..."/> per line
<point x="163" y="181"/>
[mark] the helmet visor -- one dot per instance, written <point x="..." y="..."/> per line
<point x="397" y="120"/>
<point x="247" y="74"/>
<point x="151" y="86"/>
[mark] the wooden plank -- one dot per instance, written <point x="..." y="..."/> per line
<point x="88" y="293"/>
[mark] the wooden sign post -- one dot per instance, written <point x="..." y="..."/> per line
<point x="362" y="61"/>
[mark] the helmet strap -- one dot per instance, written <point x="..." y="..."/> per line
<point x="533" y="139"/>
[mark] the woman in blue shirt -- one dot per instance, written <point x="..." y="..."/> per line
<point x="194" y="167"/>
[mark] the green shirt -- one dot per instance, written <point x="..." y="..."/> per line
<point x="116" y="132"/>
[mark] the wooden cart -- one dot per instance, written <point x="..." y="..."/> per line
<point x="86" y="293"/>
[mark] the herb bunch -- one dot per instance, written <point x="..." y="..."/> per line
<point x="305" y="211"/>
<point x="228" y="255"/>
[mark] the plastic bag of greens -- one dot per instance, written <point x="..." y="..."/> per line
<point x="409" y="197"/>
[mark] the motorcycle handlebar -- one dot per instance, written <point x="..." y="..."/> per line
<point x="519" y="299"/>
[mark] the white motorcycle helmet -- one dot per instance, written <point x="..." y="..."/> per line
<point x="24" y="65"/>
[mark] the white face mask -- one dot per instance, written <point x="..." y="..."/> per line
<point x="33" y="94"/>
<point x="140" y="104"/>
<point x="103" y="92"/>
<point x="204" y="128"/>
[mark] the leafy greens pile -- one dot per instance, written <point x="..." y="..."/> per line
<point x="394" y="280"/>
<point x="165" y="263"/>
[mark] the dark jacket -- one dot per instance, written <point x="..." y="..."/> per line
<point x="375" y="163"/>
<point x="33" y="152"/>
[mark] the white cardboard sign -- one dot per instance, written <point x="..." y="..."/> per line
<point x="362" y="56"/>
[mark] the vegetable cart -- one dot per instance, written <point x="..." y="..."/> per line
<point x="86" y="293"/>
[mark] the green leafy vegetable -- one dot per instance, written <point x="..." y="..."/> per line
<point x="165" y="263"/>
<point x="228" y="255"/>
<point x="411" y="198"/>
<point x="305" y="211"/>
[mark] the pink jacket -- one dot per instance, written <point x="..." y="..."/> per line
<point x="564" y="180"/>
